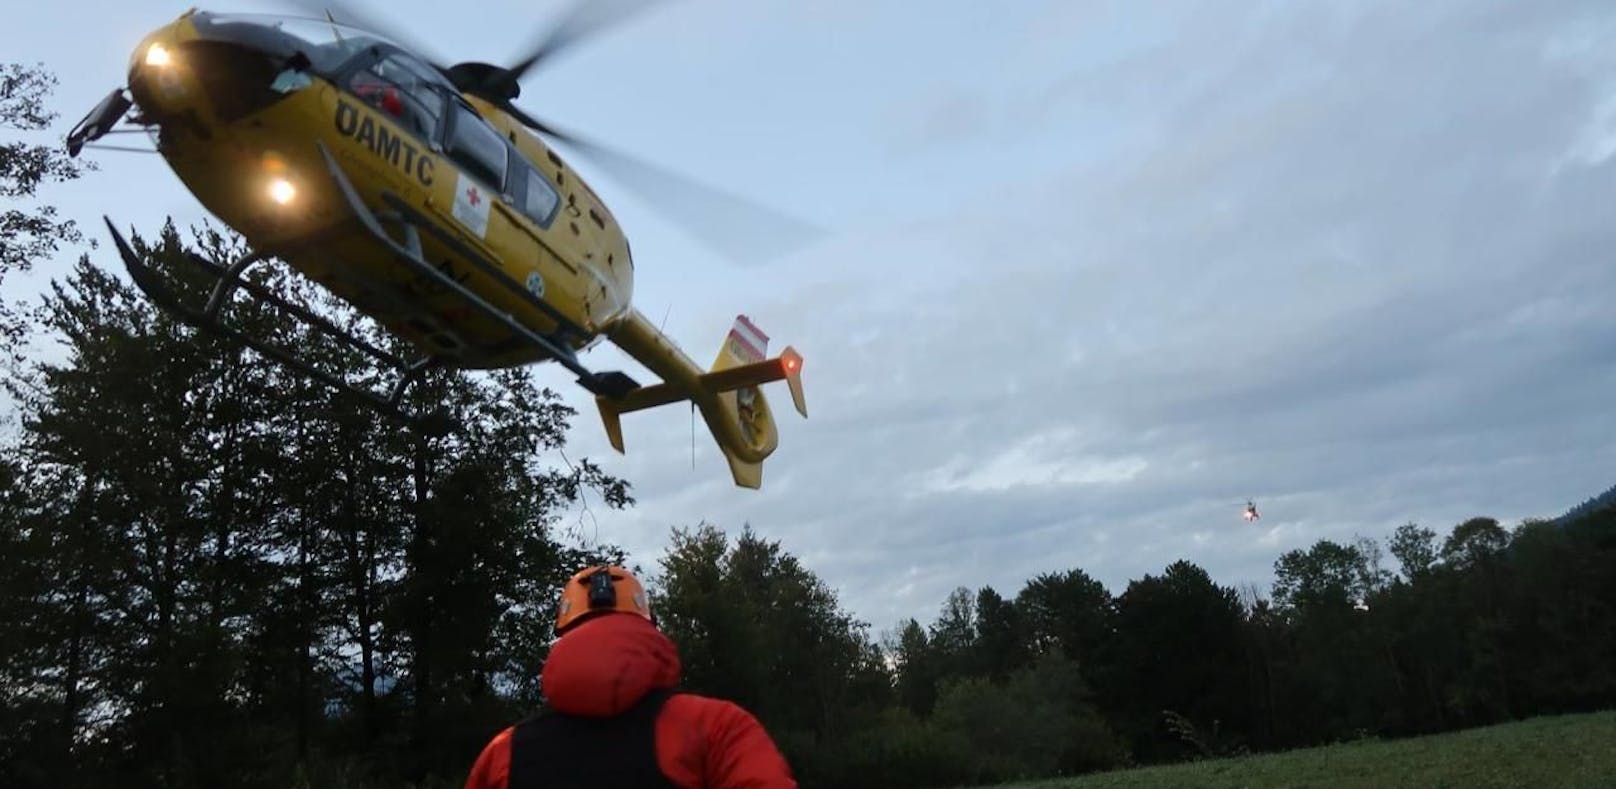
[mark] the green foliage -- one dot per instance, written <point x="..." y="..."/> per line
<point x="1415" y="548"/>
<point x="758" y="628"/>
<point x="223" y="574"/>
<point x="214" y="573"/>
<point x="28" y="234"/>
<point x="1482" y="626"/>
<point x="897" y="750"/>
<point x="1068" y="612"/>
<point x="1563" y="752"/>
<point x="1592" y="505"/>
<point x="1038" y="722"/>
<point x="1328" y="575"/>
<point x="1001" y="636"/>
<point x="1178" y="646"/>
<point x="1563" y="622"/>
<point x="917" y="672"/>
<point x="952" y="640"/>
<point x="1474" y="542"/>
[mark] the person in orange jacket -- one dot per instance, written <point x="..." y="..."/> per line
<point x="614" y="718"/>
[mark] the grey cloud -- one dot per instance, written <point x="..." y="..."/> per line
<point x="1361" y="281"/>
<point x="942" y="119"/>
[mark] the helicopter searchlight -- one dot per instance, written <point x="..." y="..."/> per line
<point x="281" y="191"/>
<point x="157" y="55"/>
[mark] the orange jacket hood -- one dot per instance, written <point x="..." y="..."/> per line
<point x="605" y="665"/>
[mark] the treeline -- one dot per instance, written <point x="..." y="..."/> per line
<point x="1606" y="500"/>
<point x="214" y="573"/>
<point x="1474" y="627"/>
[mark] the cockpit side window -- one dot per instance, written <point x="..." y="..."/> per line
<point x="475" y="146"/>
<point x="539" y="199"/>
<point x="393" y="86"/>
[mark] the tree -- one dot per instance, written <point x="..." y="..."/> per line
<point x="228" y="586"/>
<point x="1068" y="612"/>
<point x="757" y="627"/>
<point x="1179" y="647"/>
<point x="1474" y="542"/>
<point x="1560" y="643"/>
<point x="150" y="564"/>
<point x="694" y="606"/>
<point x="1039" y="722"/>
<point x="953" y="635"/>
<point x="32" y="730"/>
<point x="1341" y="676"/>
<point x="1415" y="549"/>
<point x="1328" y="574"/>
<point x="1475" y="552"/>
<point x="1267" y="643"/>
<point x="916" y="667"/>
<point x="1000" y="640"/>
<point x="28" y="234"/>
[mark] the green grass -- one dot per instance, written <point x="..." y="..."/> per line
<point x="1543" y="753"/>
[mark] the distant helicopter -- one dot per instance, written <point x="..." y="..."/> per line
<point x="421" y="195"/>
<point x="1251" y="511"/>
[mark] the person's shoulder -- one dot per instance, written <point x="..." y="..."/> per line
<point x="722" y="742"/>
<point x="687" y="704"/>
<point x="716" y="720"/>
<point x="493" y="766"/>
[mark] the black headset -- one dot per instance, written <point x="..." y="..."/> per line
<point x="601" y="593"/>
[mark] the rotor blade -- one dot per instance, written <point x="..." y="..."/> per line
<point x="586" y="19"/>
<point x="742" y="230"/>
<point x="345" y="13"/>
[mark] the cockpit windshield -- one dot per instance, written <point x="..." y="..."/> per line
<point x="327" y="44"/>
<point x="318" y="32"/>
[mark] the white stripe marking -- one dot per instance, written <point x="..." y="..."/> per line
<point x="753" y="337"/>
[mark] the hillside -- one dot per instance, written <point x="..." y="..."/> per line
<point x="1559" y="751"/>
<point x="1602" y="501"/>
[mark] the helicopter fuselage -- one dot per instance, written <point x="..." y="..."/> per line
<point x="251" y="135"/>
<point x="420" y="196"/>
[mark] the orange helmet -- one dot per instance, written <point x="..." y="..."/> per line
<point x="598" y="590"/>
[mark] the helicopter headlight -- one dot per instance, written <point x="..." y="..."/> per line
<point x="157" y="55"/>
<point x="282" y="191"/>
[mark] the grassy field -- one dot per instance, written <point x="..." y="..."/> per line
<point x="1544" y="753"/>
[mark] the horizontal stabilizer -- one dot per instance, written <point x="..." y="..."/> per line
<point x="787" y="366"/>
<point x="728" y="394"/>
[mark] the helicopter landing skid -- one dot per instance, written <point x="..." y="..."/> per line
<point x="227" y="279"/>
<point x="613" y="384"/>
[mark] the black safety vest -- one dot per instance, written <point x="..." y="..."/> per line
<point x="555" y="751"/>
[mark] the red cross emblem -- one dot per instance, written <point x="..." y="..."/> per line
<point x="471" y="194"/>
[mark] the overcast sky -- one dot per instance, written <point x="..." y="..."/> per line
<point x="1091" y="274"/>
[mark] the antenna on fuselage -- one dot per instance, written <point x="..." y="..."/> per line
<point x="661" y="328"/>
<point x="334" y="30"/>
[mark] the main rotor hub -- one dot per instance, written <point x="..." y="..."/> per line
<point x="486" y="80"/>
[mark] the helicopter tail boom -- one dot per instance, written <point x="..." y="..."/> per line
<point x="729" y="393"/>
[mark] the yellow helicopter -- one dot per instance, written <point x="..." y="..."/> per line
<point x="423" y="197"/>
